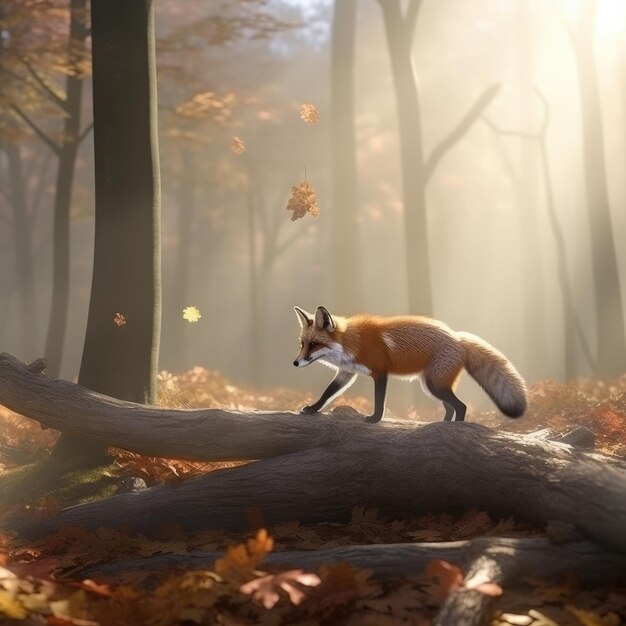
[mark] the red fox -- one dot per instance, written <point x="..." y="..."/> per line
<point x="408" y="347"/>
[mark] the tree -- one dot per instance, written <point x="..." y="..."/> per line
<point x="345" y="242"/>
<point x="417" y="169"/>
<point x="120" y="355"/>
<point x="610" y="319"/>
<point x="27" y="61"/>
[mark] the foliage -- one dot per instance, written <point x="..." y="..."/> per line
<point x="303" y="200"/>
<point x="39" y="580"/>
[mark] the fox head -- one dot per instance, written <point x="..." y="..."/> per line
<point x="316" y="336"/>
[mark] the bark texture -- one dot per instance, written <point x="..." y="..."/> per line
<point x="122" y="360"/>
<point x="535" y="558"/>
<point x="317" y="469"/>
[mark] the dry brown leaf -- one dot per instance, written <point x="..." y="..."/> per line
<point x="241" y="560"/>
<point x="119" y="319"/>
<point x="267" y="590"/>
<point x="238" y="145"/>
<point x="446" y="577"/>
<point x="303" y="200"/>
<point x="309" y="113"/>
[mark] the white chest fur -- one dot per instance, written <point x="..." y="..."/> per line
<point x="337" y="358"/>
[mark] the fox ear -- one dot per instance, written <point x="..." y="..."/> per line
<point x="324" y="320"/>
<point x="305" y="319"/>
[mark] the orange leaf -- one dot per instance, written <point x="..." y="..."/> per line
<point x="447" y="578"/>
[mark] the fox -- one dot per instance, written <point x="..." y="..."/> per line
<point x="408" y="347"/>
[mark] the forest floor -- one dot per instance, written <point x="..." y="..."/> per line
<point x="39" y="583"/>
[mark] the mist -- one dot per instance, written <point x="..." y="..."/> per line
<point x="468" y="162"/>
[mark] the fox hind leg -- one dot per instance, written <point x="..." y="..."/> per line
<point x="455" y="409"/>
<point x="440" y="377"/>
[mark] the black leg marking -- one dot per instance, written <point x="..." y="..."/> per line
<point x="380" y="392"/>
<point x="338" y="385"/>
<point x="455" y="409"/>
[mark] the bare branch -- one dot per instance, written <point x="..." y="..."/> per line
<point x="410" y="19"/>
<point x="84" y="134"/>
<point x="509" y="132"/>
<point x="44" y="85"/>
<point x="459" y="130"/>
<point x="40" y="133"/>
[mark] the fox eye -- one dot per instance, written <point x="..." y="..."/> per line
<point x="313" y="344"/>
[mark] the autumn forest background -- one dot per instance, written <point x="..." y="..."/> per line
<point x="175" y="176"/>
<point x="509" y="136"/>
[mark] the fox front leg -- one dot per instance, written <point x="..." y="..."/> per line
<point x="380" y="393"/>
<point x="338" y="385"/>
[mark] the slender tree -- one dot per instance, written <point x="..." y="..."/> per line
<point x="120" y="359"/>
<point x="28" y="64"/>
<point x="67" y="152"/>
<point x="345" y="243"/>
<point x="417" y="168"/>
<point x="606" y="281"/>
<point x="25" y="276"/>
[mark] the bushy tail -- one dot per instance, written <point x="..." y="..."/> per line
<point x="495" y="374"/>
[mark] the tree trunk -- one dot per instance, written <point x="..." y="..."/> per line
<point x="609" y="309"/>
<point x="121" y="360"/>
<point x="535" y="361"/>
<point x="176" y="349"/>
<point x="412" y="159"/>
<point x="316" y="469"/>
<point x="23" y="252"/>
<point x="347" y="295"/>
<point x="57" y="324"/>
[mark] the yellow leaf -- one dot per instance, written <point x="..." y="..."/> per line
<point x="191" y="314"/>
<point x="10" y="607"/>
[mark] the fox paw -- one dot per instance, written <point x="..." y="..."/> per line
<point x="372" y="419"/>
<point x="308" y="410"/>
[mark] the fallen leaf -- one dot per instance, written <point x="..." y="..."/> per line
<point x="447" y="577"/>
<point x="119" y="319"/>
<point x="267" y="590"/>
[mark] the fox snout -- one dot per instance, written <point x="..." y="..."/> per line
<point x="302" y="362"/>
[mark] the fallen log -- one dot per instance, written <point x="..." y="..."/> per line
<point x="536" y="557"/>
<point x="316" y="469"/>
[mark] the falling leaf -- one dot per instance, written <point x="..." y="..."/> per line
<point x="238" y="145"/>
<point x="119" y="319"/>
<point x="303" y="200"/>
<point x="309" y="113"/>
<point x="267" y="590"/>
<point x="191" y="314"/>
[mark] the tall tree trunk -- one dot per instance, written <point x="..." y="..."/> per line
<point x="57" y="324"/>
<point x="121" y="361"/>
<point x="535" y="363"/>
<point x="23" y="252"/>
<point x="256" y="327"/>
<point x="609" y="309"/>
<point x="179" y="291"/>
<point x="399" y="38"/>
<point x="347" y="296"/>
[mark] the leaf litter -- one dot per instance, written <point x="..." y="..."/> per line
<point x="38" y="580"/>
